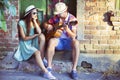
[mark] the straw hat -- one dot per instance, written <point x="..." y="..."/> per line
<point x="60" y="7"/>
<point x="29" y="9"/>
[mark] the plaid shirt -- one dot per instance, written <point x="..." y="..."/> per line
<point x="55" y="19"/>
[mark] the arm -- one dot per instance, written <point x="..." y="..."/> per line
<point x="24" y="37"/>
<point x="72" y="33"/>
<point x="74" y="23"/>
<point x="48" y="26"/>
<point x="37" y="26"/>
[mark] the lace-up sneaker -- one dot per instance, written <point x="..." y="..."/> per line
<point x="49" y="69"/>
<point x="49" y="76"/>
<point x="74" y="75"/>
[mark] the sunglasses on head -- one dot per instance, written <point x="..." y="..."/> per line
<point x="34" y="13"/>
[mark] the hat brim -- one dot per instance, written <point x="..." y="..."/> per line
<point x="59" y="12"/>
<point x="29" y="12"/>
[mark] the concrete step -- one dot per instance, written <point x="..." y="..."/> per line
<point x="62" y="62"/>
<point x="83" y="75"/>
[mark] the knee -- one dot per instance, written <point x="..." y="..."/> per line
<point x="37" y="53"/>
<point x="76" y="42"/>
<point x="52" y="42"/>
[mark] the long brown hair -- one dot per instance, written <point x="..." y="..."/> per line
<point x="28" y="19"/>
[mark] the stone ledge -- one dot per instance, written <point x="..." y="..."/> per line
<point x="99" y="62"/>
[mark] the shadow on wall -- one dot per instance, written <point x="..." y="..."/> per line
<point x="107" y="16"/>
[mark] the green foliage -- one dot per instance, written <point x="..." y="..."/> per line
<point x="5" y="4"/>
<point x="40" y="4"/>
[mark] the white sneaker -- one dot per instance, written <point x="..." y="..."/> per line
<point x="49" y="76"/>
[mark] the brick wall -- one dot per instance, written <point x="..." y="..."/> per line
<point x="95" y="33"/>
<point x="9" y="39"/>
<point x="98" y="33"/>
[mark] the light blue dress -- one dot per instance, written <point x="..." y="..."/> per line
<point x="26" y="48"/>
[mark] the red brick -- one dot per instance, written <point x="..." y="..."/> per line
<point x="84" y="41"/>
<point x="88" y="36"/>
<point x="95" y="32"/>
<point x="3" y="40"/>
<point x="14" y="45"/>
<point x="100" y="51"/>
<point x="114" y="37"/>
<point x="87" y="8"/>
<point x="2" y="44"/>
<point x="90" y="27"/>
<point x="91" y="51"/>
<point x="10" y="49"/>
<point x="8" y="44"/>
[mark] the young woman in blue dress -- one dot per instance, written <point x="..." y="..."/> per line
<point x="31" y="40"/>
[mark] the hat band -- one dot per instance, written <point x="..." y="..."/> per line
<point x="29" y="11"/>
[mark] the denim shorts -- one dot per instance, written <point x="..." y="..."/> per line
<point x="64" y="44"/>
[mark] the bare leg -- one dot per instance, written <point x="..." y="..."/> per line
<point x="42" y="45"/>
<point x="75" y="53"/>
<point x="51" y="50"/>
<point x="39" y="61"/>
<point x="40" y="64"/>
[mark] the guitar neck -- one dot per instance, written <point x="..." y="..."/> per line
<point x="59" y="25"/>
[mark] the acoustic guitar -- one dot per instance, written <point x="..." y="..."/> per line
<point x="56" y="32"/>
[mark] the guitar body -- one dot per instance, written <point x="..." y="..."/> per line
<point x="52" y="34"/>
<point x="56" y="32"/>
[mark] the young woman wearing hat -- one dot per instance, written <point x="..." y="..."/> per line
<point x="31" y="41"/>
<point x="67" y="40"/>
